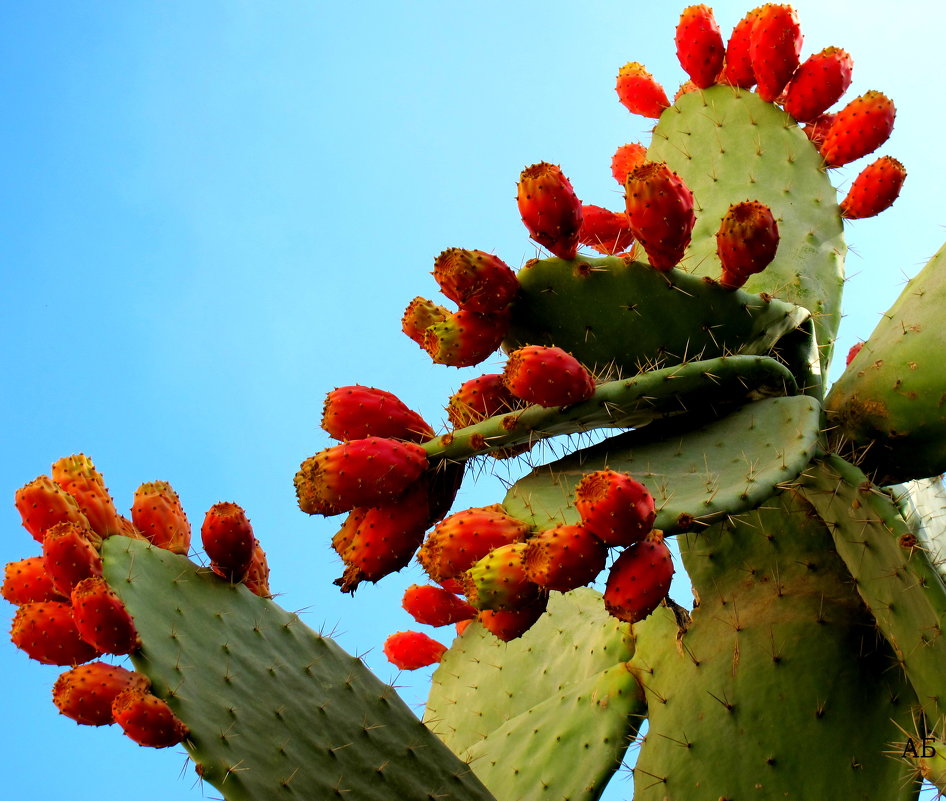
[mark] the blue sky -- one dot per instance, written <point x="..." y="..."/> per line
<point x="217" y="211"/>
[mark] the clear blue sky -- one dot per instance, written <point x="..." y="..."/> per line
<point x="216" y="211"/>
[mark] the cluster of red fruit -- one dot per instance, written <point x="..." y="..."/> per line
<point x="68" y="615"/>
<point x="505" y="569"/>
<point x="764" y="51"/>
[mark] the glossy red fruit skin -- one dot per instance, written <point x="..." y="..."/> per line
<point x="564" y="558"/>
<point x="615" y="507"/>
<point x="626" y="159"/>
<point x="256" y="579"/>
<point x="639" y="93"/>
<point x="69" y="556"/>
<point x="639" y="579"/>
<point x="818" y="84"/>
<point x="147" y="719"/>
<point x="606" y="231"/>
<point x="774" y="46"/>
<point x="465" y="537"/>
<point x="479" y="398"/>
<point x="465" y="338"/>
<point x="77" y="475"/>
<point x="86" y="692"/>
<point x="47" y="633"/>
<point x="227" y="537"/>
<point x="42" y="503"/>
<point x="356" y="412"/>
<point x="412" y="650"/>
<point x="102" y="619"/>
<point x="700" y="48"/>
<point x="875" y="189"/>
<point x="158" y="514"/>
<point x="475" y="280"/>
<point x="547" y="376"/>
<point x="746" y="242"/>
<point x="362" y="472"/>
<point x="550" y="209"/>
<point x="435" y="606"/>
<point x="510" y="624"/>
<point x="737" y="70"/>
<point x="26" y="581"/>
<point x="660" y="213"/>
<point x="859" y="128"/>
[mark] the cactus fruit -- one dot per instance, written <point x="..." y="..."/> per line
<point x="419" y="315"/>
<point x="26" y="581"/>
<point x="774" y="48"/>
<point x="465" y="338"/>
<point x="157" y="513"/>
<point x="639" y="579"/>
<point x="85" y="693"/>
<point x="227" y="537"/>
<point x="700" y="48"/>
<point x="639" y="92"/>
<point x="46" y="631"/>
<point x="147" y="719"/>
<point x="499" y="581"/>
<point x="547" y="376"/>
<point x="859" y="128"/>
<point x="474" y="280"/>
<point x="737" y="69"/>
<point x="564" y="558"/>
<point x="412" y="650"/>
<point x="550" y="209"/>
<point x="614" y="507"/>
<point x="435" y="606"/>
<point x="357" y="412"/>
<point x="625" y="159"/>
<point x="42" y="503"/>
<point x="69" y="557"/>
<point x="746" y="242"/>
<point x="479" y="398"/>
<point x="660" y="213"/>
<point x="875" y="189"/>
<point x="818" y="84"/>
<point x="101" y="617"/>
<point x="608" y="232"/>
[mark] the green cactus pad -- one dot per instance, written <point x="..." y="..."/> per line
<point x="894" y="575"/>
<point x="624" y="316"/>
<point x="672" y="391"/>
<point x="729" y="145"/>
<point x="697" y="473"/>
<point x="777" y="687"/>
<point x="890" y="403"/>
<point x="547" y="715"/>
<point x="274" y="709"/>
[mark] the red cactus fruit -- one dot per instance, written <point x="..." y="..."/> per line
<point x="27" y="582"/>
<point x="419" y="315"/>
<point x="564" y="557"/>
<point x="774" y="46"/>
<point x="42" y="503"/>
<point x="464" y="538"/>
<point x="475" y="281"/>
<point x="227" y="537"/>
<point x="435" y="606"/>
<point x="639" y="93"/>
<point x="550" y="209"/>
<point x="510" y="624"/>
<point x="158" y="514"/>
<point x="47" y="633"/>
<point x="852" y="353"/>
<point x="86" y="692"/>
<point x="379" y="540"/>
<point x="77" y="475"/>
<point x="357" y="412"/>
<point x="737" y="70"/>
<point x="700" y="48"/>
<point x="479" y="398"/>
<point x="362" y="472"/>
<point x="608" y="232"/>
<point x="499" y="580"/>
<point x="465" y="338"/>
<point x="102" y="619"/>
<point x="412" y="650"/>
<point x="746" y="242"/>
<point x="875" y="189"/>
<point x="257" y="575"/>
<point x="818" y="128"/>
<point x="626" y="159"/>
<point x="818" y="84"/>
<point x="639" y="579"/>
<point x="859" y="128"/>
<point x="69" y="556"/>
<point x="614" y="507"/>
<point x="660" y="212"/>
<point x="547" y="376"/>
<point x="147" y="719"/>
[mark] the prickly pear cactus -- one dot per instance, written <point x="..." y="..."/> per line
<point x="692" y="347"/>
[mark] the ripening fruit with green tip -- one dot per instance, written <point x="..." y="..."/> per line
<point x="465" y="338"/>
<point x="746" y="242"/>
<point x="475" y="280"/>
<point x="419" y="315"/>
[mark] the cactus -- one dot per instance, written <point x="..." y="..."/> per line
<point x="809" y="523"/>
